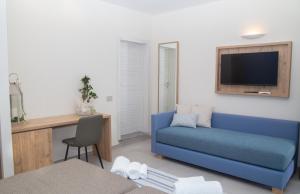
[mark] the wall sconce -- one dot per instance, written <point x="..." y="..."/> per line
<point x="253" y="32"/>
<point x="253" y="35"/>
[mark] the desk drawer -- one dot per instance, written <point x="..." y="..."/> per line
<point x="32" y="149"/>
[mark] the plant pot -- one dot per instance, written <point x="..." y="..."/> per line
<point x="86" y="109"/>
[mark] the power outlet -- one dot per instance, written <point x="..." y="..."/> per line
<point x="109" y="98"/>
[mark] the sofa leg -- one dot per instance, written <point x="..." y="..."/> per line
<point x="277" y="191"/>
<point x="159" y="156"/>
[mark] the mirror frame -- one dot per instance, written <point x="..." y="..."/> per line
<point x="177" y="75"/>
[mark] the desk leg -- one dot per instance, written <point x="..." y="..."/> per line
<point x="104" y="144"/>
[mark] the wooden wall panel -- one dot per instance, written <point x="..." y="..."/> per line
<point x="284" y="70"/>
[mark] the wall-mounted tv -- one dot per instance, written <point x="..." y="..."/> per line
<point x="253" y="69"/>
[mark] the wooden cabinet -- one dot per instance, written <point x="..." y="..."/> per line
<point x="32" y="149"/>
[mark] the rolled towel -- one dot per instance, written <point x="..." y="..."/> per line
<point x="120" y="166"/>
<point x="182" y="183"/>
<point x="143" y="171"/>
<point x="133" y="170"/>
<point x="197" y="187"/>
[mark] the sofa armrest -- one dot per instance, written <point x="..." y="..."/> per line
<point x="159" y="121"/>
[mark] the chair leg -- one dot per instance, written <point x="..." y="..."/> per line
<point x="86" y="154"/>
<point x="66" y="156"/>
<point x="79" y="152"/>
<point x="99" y="156"/>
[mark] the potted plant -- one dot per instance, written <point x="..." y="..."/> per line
<point x="87" y="95"/>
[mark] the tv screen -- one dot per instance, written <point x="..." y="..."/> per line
<point x="257" y="69"/>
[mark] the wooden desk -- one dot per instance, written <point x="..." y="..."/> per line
<point x="32" y="141"/>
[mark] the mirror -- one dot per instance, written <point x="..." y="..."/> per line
<point x="168" y="76"/>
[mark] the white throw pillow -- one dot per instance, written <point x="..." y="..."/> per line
<point x="204" y="115"/>
<point x="183" y="109"/>
<point x="184" y="120"/>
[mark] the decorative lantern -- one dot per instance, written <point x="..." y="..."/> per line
<point x="16" y="99"/>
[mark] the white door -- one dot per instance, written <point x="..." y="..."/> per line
<point x="133" y="103"/>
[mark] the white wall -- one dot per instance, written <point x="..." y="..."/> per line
<point x="6" y="154"/>
<point x="53" y="43"/>
<point x="201" y="29"/>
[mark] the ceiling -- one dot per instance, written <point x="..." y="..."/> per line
<point x="157" y="6"/>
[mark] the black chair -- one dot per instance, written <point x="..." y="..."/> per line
<point x="88" y="133"/>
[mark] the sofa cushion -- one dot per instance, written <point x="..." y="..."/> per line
<point x="269" y="152"/>
<point x="204" y="115"/>
<point x="184" y="120"/>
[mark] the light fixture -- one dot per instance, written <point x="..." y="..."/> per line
<point x="253" y="35"/>
<point x="253" y="32"/>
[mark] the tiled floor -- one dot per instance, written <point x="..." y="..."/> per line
<point x="138" y="149"/>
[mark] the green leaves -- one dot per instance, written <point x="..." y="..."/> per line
<point x="87" y="93"/>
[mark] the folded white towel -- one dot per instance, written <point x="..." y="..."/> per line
<point x="133" y="170"/>
<point x="143" y="171"/>
<point x="197" y="185"/>
<point x="189" y="180"/>
<point x="120" y="166"/>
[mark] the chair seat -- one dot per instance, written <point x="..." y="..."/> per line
<point x="72" y="142"/>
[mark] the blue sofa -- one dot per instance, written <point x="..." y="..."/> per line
<point x="261" y="150"/>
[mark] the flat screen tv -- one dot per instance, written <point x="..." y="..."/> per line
<point x="253" y="69"/>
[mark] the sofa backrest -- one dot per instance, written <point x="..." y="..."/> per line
<point x="257" y="125"/>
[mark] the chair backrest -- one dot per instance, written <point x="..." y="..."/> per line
<point x="89" y="130"/>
